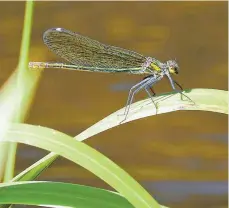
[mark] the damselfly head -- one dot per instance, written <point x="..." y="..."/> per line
<point x="173" y="67"/>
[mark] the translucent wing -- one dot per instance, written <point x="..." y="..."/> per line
<point x="85" y="52"/>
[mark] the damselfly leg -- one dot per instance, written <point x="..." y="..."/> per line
<point x="146" y="84"/>
<point x="151" y="96"/>
<point x="147" y="88"/>
<point x="172" y="82"/>
<point x="178" y="85"/>
<point x="151" y="89"/>
<point x="182" y="94"/>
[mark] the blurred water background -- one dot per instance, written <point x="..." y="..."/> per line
<point x="180" y="157"/>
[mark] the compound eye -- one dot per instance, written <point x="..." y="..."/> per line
<point x="175" y="70"/>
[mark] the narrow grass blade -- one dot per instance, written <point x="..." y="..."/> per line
<point x="16" y="97"/>
<point x="205" y="100"/>
<point x="35" y="170"/>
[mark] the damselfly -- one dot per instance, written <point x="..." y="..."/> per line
<point x="85" y="54"/>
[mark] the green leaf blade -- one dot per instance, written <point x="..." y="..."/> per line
<point x="205" y="100"/>
<point x="60" y="194"/>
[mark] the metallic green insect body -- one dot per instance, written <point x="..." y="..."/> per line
<point x="85" y="54"/>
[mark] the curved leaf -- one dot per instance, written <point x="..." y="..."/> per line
<point x="60" y="194"/>
<point x="204" y="99"/>
<point x="85" y="156"/>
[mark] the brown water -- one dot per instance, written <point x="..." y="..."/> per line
<point x="181" y="157"/>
